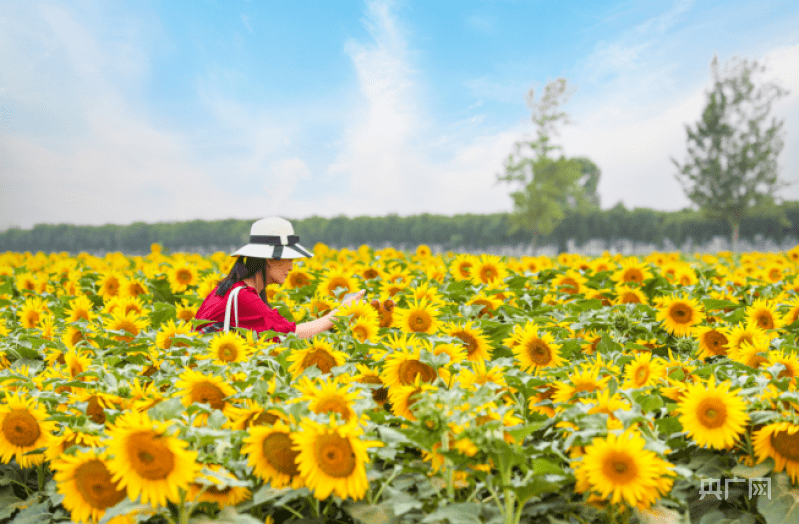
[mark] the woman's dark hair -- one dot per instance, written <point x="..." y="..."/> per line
<point x="245" y="267"/>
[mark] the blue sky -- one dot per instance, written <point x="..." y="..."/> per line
<point x="115" y="112"/>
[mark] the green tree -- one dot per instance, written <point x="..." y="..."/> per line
<point x="731" y="166"/>
<point x="547" y="186"/>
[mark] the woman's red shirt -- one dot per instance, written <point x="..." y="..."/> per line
<point x="253" y="313"/>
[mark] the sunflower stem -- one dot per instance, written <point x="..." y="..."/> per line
<point x="386" y="483"/>
<point x="183" y="515"/>
<point x="40" y="471"/>
<point x="293" y="512"/>
<point x="494" y="496"/>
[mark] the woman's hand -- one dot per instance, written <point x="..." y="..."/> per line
<point x="355" y="299"/>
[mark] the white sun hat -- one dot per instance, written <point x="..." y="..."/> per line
<point x="273" y="238"/>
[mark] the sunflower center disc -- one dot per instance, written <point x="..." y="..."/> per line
<point x="20" y="428"/>
<point x="207" y="393"/>
<point x="321" y="359"/>
<point x="277" y="451"/>
<point x="410" y="369"/>
<point x="469" y="341"/>
<point x="712" y="413"/>
<point x="334" y="405"/>
<point x="95" y="411"/>
<point x="264" y="419"/>
<point x="539" y="352"/>
<point x="227" y="353"/>
<point x="619" y="468"/>
<point x="334" y="456"/>
<point x="786" y="444"/>
<point x="765" y="321"/>
<point x="150" y="457"/>
<point x="642" y="374"/>
<point x="93" y="481"/>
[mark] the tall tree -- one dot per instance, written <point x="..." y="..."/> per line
<point x="731" y="166"/>
<point x="547" y="186"/>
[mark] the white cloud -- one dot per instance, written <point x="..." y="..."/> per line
<point x="392" y="158"/>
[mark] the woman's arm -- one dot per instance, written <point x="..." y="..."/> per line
<point x="314" y="327"/>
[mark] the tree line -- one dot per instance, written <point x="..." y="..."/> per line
<point x="471" y="231"/>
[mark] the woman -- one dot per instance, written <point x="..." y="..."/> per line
<point x="265" y="260"/>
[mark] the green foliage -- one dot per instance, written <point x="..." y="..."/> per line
<point x="547" y="186"/>
<point x="459" y="231"/>
<point x="731" y="166"/>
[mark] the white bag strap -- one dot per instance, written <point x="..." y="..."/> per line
<point x="231" y="299"/>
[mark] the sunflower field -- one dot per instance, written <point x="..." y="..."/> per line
<point x="464" y="389"/>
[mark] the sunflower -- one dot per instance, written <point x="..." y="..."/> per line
<point x="110" y="284"/>
<point x="632" y="272"/>
<point x="170" y="330"/>
<point x="332" y="458"/>
<point x="536" y="351"/>
<point x="620" y="468"/>
<point x="358" y="311"/>
<point x="96" y="404"/>
<point x="745" y="335"/>
<point x="418" y="317"/>
<point x="68" y="438"/>
<point x="32" y="312"/>
<point x="427" y="291"/>
<point x="749" y="355"/>
<point x="330" y="396"/>
<point x="148" y="462"/>
<point x="372" y="378"/>
<point x="712" y="415"/>
<point x="402" y="398"/>
<point x="780" y="441"/>
<point x="320" y="305"/>
<point x="643" y="371"/>
<point x="79" y="308"/>
<point x="364" y="329"/>
<point x="85" y="482"/>
<point x="225" y="348"/>
<point x="570" y="282"/>
<point x="764" y="315"/>
<point x="489" y="303"/>
<point x="789" y="360"/>
<point x="297" y="278"/>
<point x="583" y="379"/>
<point x="219" y="486"/>
<point x="72" y="336"/>
<point x="435" y="271"/>
<point x="26" y="281"/>
<point x="320" y="353"/>
<point x="204" y="389"/>
<point x="479" y="374"/>
<point x="474" y="341"/>
<point x="130" y="323"/>
<point x="76" y="362"/>
<point x="185" y="311"/>
<point x="628" y="295"/>
<point x="23" y="429"/>
<point x="712" y="341"/>
<point x="461" y="267"/>
<point x="334" y="279"/>
<point x="680" y="315"/>
<point x="270" y="454"/>
<point x="368" y="271"/>
<point x="402" y="367"/>
<point x="488" y="269"/>
<point x="181" y="276"/>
